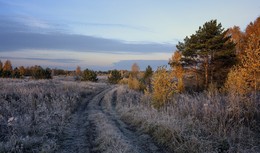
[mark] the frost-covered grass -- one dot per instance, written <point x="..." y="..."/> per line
<point x="32" y="113"/>
<point x="192" y="123"/>
<point x="109" y="138"/>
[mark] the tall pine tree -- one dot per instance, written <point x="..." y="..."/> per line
<point x="209" y="52"/>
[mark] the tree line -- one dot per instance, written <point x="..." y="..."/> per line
<point x="212" y="57"/>
<point x="36" y="72"/>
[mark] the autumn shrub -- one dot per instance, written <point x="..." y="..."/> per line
<point x="123" y="81"/>
<point x="163" y="87"/>
<point x="133" y="83"/>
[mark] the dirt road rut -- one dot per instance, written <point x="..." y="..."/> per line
<point x="96" y="127"/>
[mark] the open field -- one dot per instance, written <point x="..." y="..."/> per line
<point x="67" y="116"/>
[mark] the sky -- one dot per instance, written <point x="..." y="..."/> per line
<point x="108" y="34"/>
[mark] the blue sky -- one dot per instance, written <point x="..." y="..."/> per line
<point x="104" y="34"/>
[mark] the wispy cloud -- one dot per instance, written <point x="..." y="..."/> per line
<point x="27" y="40"/>
<point x="65" y="61"/>
<point x="12" y="41"/>
<point x="26" y="23"/>
<point x="110" y="25"/>
<point x="34" y="22"/>
<point x="14" y="35"/>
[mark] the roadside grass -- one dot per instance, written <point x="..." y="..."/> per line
<point x="33" y="113"/>
<point x="109" y="138"/>
<point x="204" y="122"/>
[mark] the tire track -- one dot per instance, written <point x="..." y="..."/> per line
<point x="95" y="129"/>
<point x="79" y="133"/>
<point x="141" y="143"/>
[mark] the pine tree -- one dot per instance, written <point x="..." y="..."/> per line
<point x="114" y="77"/>
<point x="89" y="75"/>
<point x="210" y="51"/>
<point x="147" y="77"/>
<point x="16" y="73"/>
<point x="38" y="72"/>
<point x="1" y="65"/>
<point x="1" y="68"/>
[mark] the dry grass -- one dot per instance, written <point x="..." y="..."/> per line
<point x="109" y="138"/>
<point x="202" y="122"/>
<point x="32" y="113"/>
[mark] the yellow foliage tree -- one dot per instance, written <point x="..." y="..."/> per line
<point x="22" y="70"/>
<point x="163" y="87"/>
<point x="177" y="69"/>
<point x="78" y="71"/>
<point x="251" y="62"/>
<point x="244" y="78"/>
<point x="134" y="80"/>
<point x="243" y="81"/>
<point x="236" y="82"/>
<point x="135" y="70"/>
<point x="7" y="66"/>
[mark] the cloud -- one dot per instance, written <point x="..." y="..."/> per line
<point x="29" y="41"/>
<point x="12" y="41"/>
<point x="110" y="25"/>
<point x="16" y="34"/>
<point x="61" y="60"/>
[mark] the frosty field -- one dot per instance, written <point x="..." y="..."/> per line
<point x="68" y="116"/>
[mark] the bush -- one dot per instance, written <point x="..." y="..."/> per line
<point x="114" y="77"/>
<point x="89" y="75"/>
<point x="133" y="83"/>
<point x="6" y="74"/>
<point x="123" y="81"/>
<point x="39" y="73"/>
<point x="163" y="87"/>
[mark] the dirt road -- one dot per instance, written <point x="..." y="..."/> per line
<point x="96" y="127"/>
